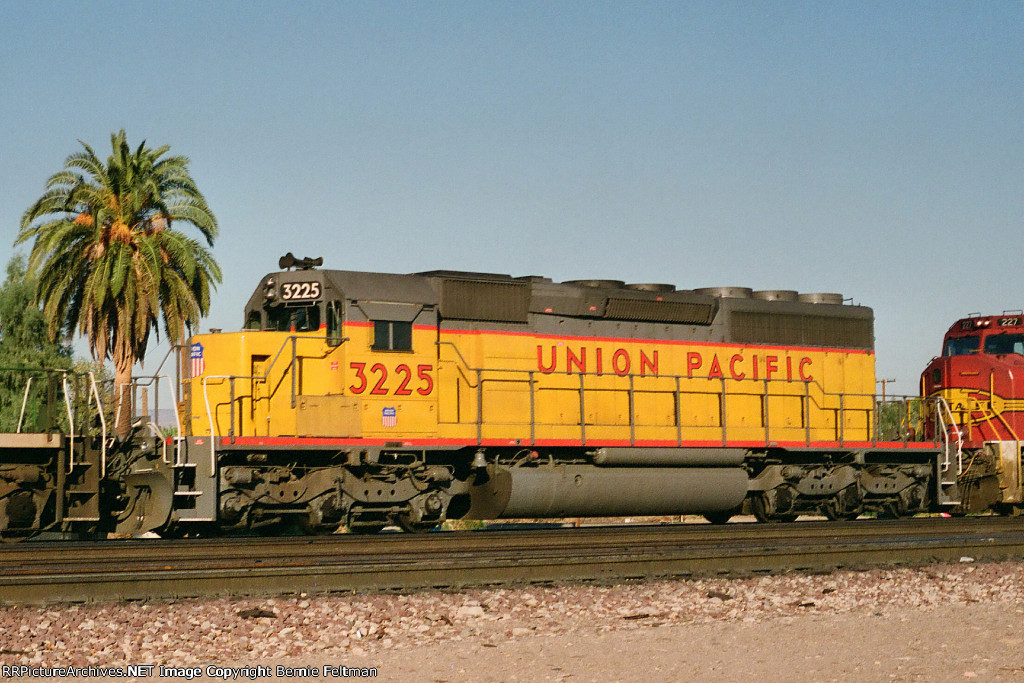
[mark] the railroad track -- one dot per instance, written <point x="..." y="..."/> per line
<point x="35" y="572"/>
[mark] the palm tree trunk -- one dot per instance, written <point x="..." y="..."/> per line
<point x="123" y="397"/>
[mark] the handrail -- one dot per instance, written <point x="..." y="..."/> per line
<point x="67" y="392"/>
<point x="24" y="402"/>
<point x="71" y="425"/>
<point x="103" y="424"/>
<point x="174" y="347"/>
<point x="465" y="364"/>
<point x="941" y="402"/>
<point x="840" y="406"/>
<point x="291" y="339"/>
<point x="154" y="381"/>
<point x="209" y="420"/>
<point x="177" y="419"/>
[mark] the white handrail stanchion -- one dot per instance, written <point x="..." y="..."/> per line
<point x="71" y="426"/>
<point x="945" y="437"/>
<point x="24" y="402"/>
<point x="103" y="424"/>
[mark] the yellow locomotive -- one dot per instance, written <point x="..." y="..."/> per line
<point x="368" y="399"/>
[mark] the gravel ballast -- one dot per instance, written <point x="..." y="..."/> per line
<point x="582" y="632"/>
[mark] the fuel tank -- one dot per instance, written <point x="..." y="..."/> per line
<point x="586" y="491"/>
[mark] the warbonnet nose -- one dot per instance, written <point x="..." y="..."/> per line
<point x="581" y="491"/>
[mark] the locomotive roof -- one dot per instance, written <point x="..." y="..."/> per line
<point x="976" y="323"/>
<point x="423" y="287"/>
<point x="735" y="313"/>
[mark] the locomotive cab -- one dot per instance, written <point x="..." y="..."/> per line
<point x="980" y="374"/>
<point x="296" y="302"/>
<point x="297" y="408"/>
<point x="321" y="354"/>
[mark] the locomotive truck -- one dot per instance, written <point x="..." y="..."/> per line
<point x="361" y="400"/>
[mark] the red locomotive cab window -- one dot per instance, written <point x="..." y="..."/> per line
<point x="1002" y="344"/>
<point x="961" y="346"/>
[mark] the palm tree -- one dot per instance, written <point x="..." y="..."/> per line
<point x="110" y="260"/>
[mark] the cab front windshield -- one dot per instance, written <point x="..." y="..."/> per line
<point x="999" y="344"/>
<point x="961" y="346"/>
<point x="298" y="318"/>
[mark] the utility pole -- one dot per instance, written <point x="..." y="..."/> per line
<point x="884" y="382"/>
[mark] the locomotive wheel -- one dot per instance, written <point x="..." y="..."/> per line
<point x="892" y="509"/>
<point x="405" y="524"/>
<point x="832" y="515"/>
<point x="763" y="512"/>
<point x="846" y="504"/>
<point x="759" y="507"/>
<point x="834" y="511"/>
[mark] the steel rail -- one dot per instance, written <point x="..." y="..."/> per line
<point x="39" y="572"/>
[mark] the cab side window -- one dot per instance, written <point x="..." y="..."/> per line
<point x="392" y="335"/>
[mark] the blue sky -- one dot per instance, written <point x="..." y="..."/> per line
<point x="870" y="148"/>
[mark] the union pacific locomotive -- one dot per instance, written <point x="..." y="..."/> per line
<point x="361" y="400"/>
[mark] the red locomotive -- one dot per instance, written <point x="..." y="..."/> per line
<point x="978" y="383"/>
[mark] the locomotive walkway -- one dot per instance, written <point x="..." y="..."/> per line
<point x="39" y="572"/>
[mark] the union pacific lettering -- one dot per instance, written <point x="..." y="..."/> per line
<point x="618" y="361"/>
<point x="737" y="366"/>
